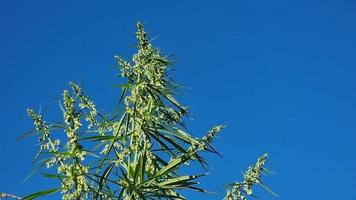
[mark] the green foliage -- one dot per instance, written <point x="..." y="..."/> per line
<point x="135" y="152"/>
<point x="239" y="190"/>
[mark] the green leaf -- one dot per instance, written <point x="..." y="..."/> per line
<point x="41" y="193"/>
<point x="181" y="180"/>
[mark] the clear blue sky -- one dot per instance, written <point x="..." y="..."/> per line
<point x="280" y="74"/>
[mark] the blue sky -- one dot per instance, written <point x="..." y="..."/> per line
<point x="279" y="74"/>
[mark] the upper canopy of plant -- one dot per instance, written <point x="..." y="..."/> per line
<point x="137" y="150"/>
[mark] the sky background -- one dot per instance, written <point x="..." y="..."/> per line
<point x="280" y="74"/>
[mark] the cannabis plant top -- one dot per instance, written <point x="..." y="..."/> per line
<point x="137" y="150"/>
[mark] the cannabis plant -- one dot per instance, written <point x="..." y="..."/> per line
<point x="134" y="152"/>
